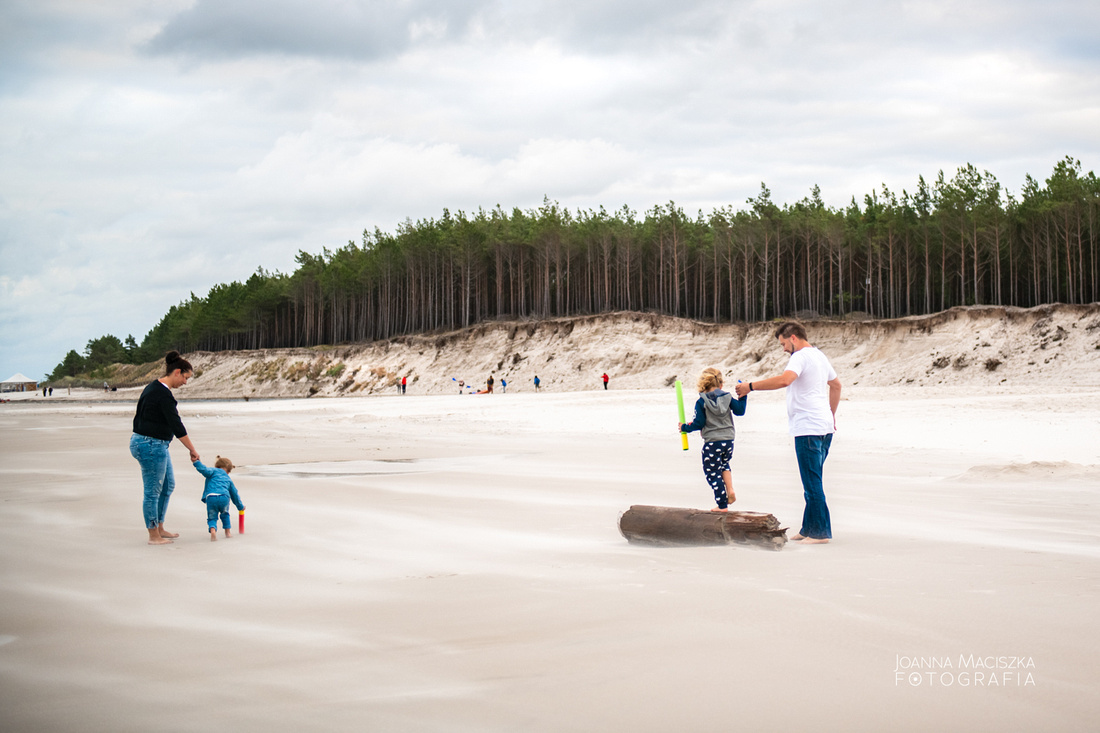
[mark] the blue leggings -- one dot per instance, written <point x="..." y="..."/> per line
<point x="716" y="459"/>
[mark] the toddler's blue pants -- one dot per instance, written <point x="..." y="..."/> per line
<point x="217" y="505"/>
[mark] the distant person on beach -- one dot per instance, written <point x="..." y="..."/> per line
<point x="503" y="386"/>
<point x="537" y="383"/>
<point x="489" y="384"/>
<point x="813" y="394"/>
<point x="218" y="491"/>
<point x="605" y="378"/>
<point x="156" y="421"/>
<point x="714" y="411"/>
<point x="404" y="381"/>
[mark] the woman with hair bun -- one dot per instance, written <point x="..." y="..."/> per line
<point x="155" y="424"/>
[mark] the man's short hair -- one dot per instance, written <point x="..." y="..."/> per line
<point x="791" y="328"/>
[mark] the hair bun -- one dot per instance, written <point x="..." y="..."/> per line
<point x="171" y="356"/>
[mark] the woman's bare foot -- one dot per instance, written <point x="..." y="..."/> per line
<point x="165" y="533"/>
<point x="797" y="538"/>
<point x="156" y="539"/>
<point x="813" y="541"/>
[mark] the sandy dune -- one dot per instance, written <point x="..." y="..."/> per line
<point x="452" y="563"/>
<point x="965" y="347"/>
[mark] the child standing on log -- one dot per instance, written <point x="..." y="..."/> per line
<point x="714" y="413"/>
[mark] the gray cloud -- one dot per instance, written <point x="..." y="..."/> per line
<point x="376" y="29"/>
<point x="369" y="29"/>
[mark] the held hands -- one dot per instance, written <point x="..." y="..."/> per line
<point x="194" y="456"/>
<point x="742" y="389"/>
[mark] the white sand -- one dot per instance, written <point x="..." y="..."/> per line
<point x="453" y="563"/>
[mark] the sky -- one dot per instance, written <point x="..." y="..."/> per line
<point x="151" y="150"/>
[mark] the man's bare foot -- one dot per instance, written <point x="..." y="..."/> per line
<point x="797" y="538"/>
<point x="213" y="535"/>
<point x="166" y="534"/>
<point x="813" y="541"/>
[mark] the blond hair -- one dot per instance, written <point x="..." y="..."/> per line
<point x="224" y="463"/>
<point x="709" y="380"/>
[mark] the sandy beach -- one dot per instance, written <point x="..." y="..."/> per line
<point x="453" y="563"/>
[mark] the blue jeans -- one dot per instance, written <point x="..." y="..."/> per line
<point x="156" y="475"/>
<point x="217" y="505"/>
<point x="811" y="452"/>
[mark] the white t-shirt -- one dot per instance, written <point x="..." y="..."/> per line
<point x="808" y="411"/>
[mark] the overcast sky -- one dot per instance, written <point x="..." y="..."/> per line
<point x="149" y="150"/>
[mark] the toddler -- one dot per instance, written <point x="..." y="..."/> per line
<point x="217" y="494"/>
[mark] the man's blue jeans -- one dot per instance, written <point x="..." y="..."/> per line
<point x="156" y="475"/>
<point x="811" y="452"/>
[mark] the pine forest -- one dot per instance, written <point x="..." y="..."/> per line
<point x="957" y="241"/>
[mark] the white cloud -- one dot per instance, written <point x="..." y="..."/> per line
<point x="152" y="150"/>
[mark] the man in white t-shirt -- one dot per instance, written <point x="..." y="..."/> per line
<point x="813" y="394"/>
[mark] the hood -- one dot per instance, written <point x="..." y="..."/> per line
<point x="717" y="402"/>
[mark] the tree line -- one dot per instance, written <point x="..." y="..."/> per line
<point x="962" y="240"/>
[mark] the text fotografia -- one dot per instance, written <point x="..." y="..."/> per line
<point x="966" y="670"/>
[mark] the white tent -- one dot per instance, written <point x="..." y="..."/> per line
<point x="18" y="383"/>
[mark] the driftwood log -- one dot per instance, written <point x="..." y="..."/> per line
<point x="668" y="526"/>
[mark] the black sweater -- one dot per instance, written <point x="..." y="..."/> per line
<point x="156" y="413"/>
